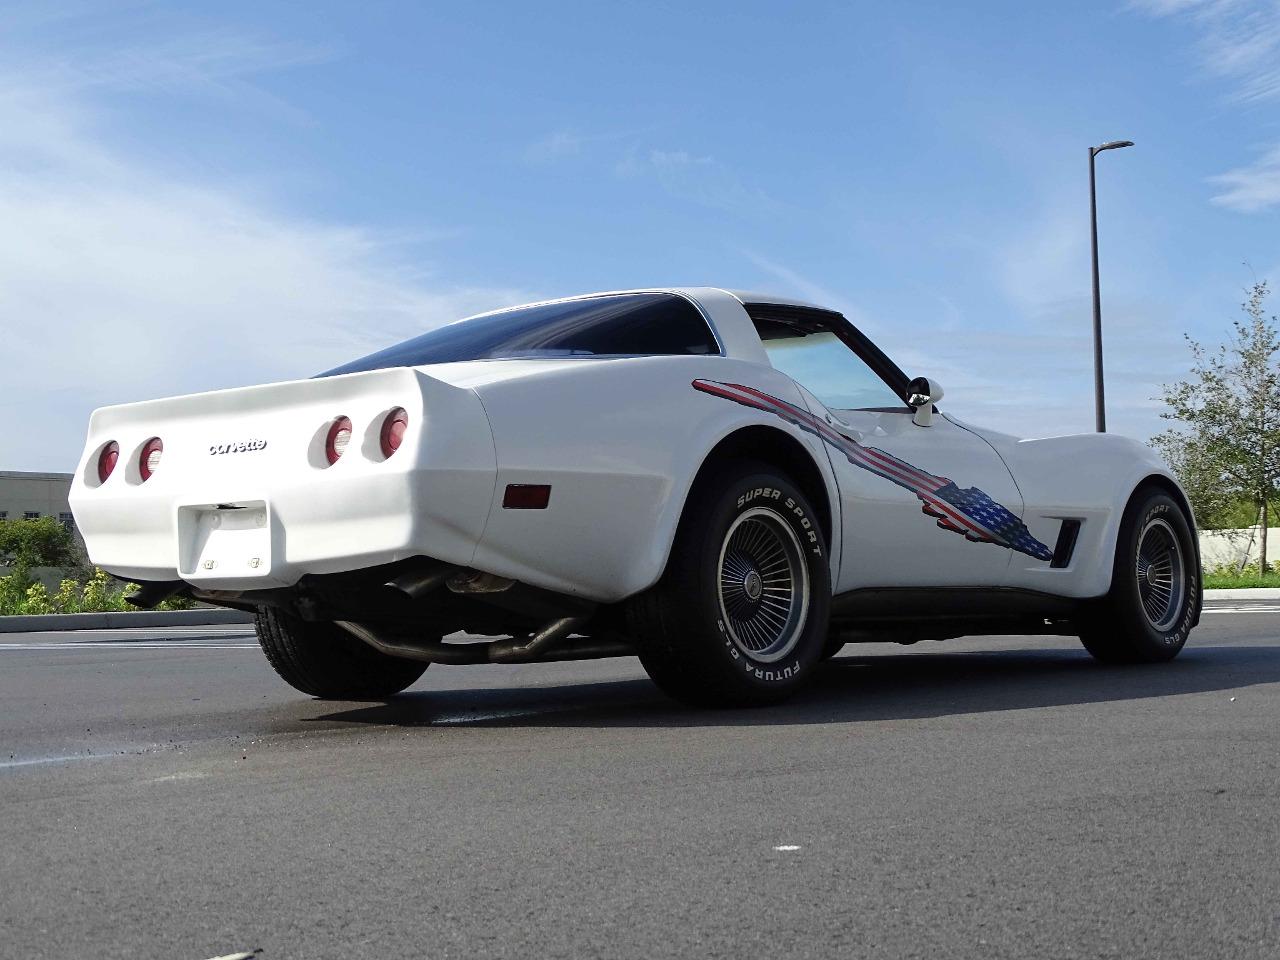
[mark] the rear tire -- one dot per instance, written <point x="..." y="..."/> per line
<point x="740" y="615"/>
<point x="1155" y="586"/>
<point x="324" y="661"/>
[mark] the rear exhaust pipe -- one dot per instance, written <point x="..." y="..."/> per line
<point x="428" y="650"/>
<point x="528" y="648"/>
<point x="542" y="644"/>
<point x="149" y="595"/>
<point x="422" y="582"/>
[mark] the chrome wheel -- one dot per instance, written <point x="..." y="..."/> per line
<point x="1160" y="573"/>
<point x="763" y="585"/>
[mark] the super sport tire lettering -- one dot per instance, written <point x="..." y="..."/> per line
<point x="679" y="627"/>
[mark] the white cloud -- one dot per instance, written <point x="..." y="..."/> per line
<point x="797" y="284"/>
<point x="698" y="179"/>
<point x="566" y="144"/>
<point x="121" y="282"/>
<point x="1252" y="188"/>
<point x="1237" y="40"/>
<point x="555" y="146"/>
<point x="203" y="62"/>
<point x="1045" y="262"/>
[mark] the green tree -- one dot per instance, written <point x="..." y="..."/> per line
<point x="1228" y="447"/>
<point x="43" y="542"/>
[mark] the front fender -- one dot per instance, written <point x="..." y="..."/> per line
<point x="1090" y="477"/>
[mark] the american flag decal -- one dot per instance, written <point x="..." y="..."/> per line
<point x="970" y="513"/>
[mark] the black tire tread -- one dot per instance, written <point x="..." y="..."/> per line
<point x="659" y="619"/>
<point x="322" y="660"/>
<point x="1114" y="633"/>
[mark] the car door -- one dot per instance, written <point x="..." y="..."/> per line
<point x="920" y="506"/>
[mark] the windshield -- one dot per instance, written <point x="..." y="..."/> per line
<point x="633" y="324"/>
<point x="825" y="366"/>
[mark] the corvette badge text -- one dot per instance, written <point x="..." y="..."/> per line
<point x="244" y="446"/>
<point x="970" y="513"/>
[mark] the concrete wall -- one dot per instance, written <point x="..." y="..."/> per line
<point x="1237" y="546"/>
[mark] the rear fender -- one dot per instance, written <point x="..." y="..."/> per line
<point x="620" y="442"/>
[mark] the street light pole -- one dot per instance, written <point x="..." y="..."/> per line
<point x="1099" y="399"/>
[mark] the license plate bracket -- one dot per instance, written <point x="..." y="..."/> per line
<point x="226" y="540"/>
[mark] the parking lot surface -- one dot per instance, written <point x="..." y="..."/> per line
<point x="163" y="794"/>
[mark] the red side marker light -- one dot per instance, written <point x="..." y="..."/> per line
<point x="149" y="460"/>
<point x="393" y="428"/>
<point x="107" y="460"/>
<point x="526" y="496"/>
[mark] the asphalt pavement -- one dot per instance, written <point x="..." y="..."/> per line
<point x="164" y="795"/>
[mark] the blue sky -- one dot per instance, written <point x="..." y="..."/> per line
<point x="206" y="195"/>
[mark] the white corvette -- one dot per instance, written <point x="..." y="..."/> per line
<point x="730" y="486"/>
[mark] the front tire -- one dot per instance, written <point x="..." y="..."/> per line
<point x="1155" y="586"/>
<point x="324" y="661"/>
<point x="740" y="616"/>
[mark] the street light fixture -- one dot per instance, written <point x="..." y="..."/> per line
<point x="1099" y="401"/>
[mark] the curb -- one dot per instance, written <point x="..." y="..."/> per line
<point x="1246" y="593"/>
<point x="115" y="621"/>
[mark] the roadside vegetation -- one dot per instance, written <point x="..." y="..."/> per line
<point x="43" y="543"/>
<point x="1231" y="577"/>
<point x="1225" y="447"/>
<point x="20" y="595"/>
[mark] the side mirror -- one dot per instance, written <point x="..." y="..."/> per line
<point x="922" y="394"/>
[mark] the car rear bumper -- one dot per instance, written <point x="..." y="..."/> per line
<point x="247" y="537"/>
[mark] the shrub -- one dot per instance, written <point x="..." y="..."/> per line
<point x="42" y="542"/>
<point x="13" y="593"/>
<point x="37" y="600"/>
<point x="20" y="596"/>
<point x="94" y="598"/>
<point x="67" y="599"/>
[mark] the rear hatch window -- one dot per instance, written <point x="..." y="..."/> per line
<point x="620" y="325"/>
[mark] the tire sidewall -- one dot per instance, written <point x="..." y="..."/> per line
<point x="1156" y="643"/>
<point x="736" y="497"/>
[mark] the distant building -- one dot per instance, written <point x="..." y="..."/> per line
<point x="31" y="495"/>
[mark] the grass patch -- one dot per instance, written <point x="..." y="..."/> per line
<point x="1226" y="578"/>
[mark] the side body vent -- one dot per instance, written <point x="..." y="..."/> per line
<point x="1066" y="544"/>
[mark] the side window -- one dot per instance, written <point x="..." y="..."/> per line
<point x="824" y="365"/>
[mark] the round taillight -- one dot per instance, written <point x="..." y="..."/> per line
<point x="335" y="443"/>
<point x="149" y="459"/>
<point x="107" y="460"/>
<point x="393" y="428"/>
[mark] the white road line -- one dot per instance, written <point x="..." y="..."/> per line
<point x="1250" y="608"/>
<point x="37" y="761"/>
